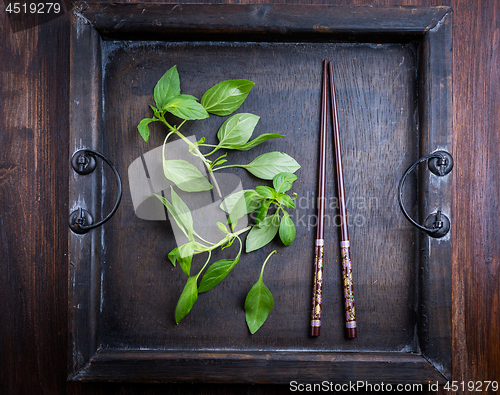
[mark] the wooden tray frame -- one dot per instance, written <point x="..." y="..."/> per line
<point x="93" y="22"/>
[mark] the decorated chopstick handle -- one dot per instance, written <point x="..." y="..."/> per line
<point x="318" y="289"/>
<point x="350" y="314"/>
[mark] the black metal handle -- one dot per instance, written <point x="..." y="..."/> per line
<point x="440" y="163"/>
<point x="84" y="162"/>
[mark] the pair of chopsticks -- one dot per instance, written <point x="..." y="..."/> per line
<point x="350" y="317"/>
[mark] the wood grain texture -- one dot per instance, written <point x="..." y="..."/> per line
<point x="279" y="22"/>
<point x="259" y="367"/>
<point x="33" y="122"/>
<point x="477" y="253"/>
<point x="34" y="144"/>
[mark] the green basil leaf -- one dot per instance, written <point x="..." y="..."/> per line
<point x="222" y="227"/>
<point x="243" y="198"/>
<point x="185" y="107"/>
<point x="174" y="255"/>
<point x="226" y="97"/>
<point x="258" y="303"/>
<point x="185" y="257"/>
<point x="237" y="129"/>
<point x="187" y="97"/>
<point x="285" y="200"/>
<point x="240" y="204"/>
<point x="183" y="254"/>
<point x="262" y="211"/>
<point x="172" y="212"/>
<point x="143" y="128"/>
<point x="218" y="161"/>
<point x="185" y="175"/>
<point x="216" y="273"/>
<point x="182" y="210"/>
<point x="255" y="142"/>
<point x="267" y="192"/>
<point x="287" y="230"/>
<point x="283" y="182"/>
<point x="157" y="112"/>
<point x="267" y="166"/>
<point x="187" y="299"/>
<point x="169" y="85"/>
<point x="261" y="235"/>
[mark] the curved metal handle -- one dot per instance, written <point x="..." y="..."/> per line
<point x="437" y="224"/>
<point x="84" y="162"/>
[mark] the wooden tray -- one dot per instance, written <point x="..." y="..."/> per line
<point x="393" y="75"/>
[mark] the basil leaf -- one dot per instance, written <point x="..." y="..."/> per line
<point x="169" y="85"/>
<point x="183" y="254"/>
<point x="246" y="196"/>
<point x="216" y="273"/>
<point x="258" y="303"/>
<point x="185" y="175"/>
<point x="185" y="107"/>
<point x="185" y="257"/>
<point x="226" y="97"/>
<point x="187" y="97"/>
<point x="237" y="129"/>
<point x="262" y="211"/>
<point x="255" y="142"/>
<point x="222" y="227"/>
<point x="285" y="200"/>
<point x="267" y="192"/>
<point x="187" y="299"/>
<point x="172" y="212"/>
<point x="218" y="161"/>
<point x="143" y="128"/>
<point x="240" y="204"/>
<point x="267" y="166"/>
<point x="283" y="182"/>
<point x="287" y="230"/>
<point x="174" y="255"/>
<point x="261" y="235"/>
<point x="182" y="210"/>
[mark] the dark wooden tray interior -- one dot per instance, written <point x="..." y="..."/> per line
<point x="135" y="289"/>
<point x="377" y="100"/>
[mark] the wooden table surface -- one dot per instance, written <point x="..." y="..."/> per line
<point x="34" y="119"/>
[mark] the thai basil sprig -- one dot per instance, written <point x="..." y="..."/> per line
<point x="223" y="99"/>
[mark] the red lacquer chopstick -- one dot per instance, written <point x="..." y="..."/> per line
<point x="320" y="230"/>
<point x="345" y="246"/>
